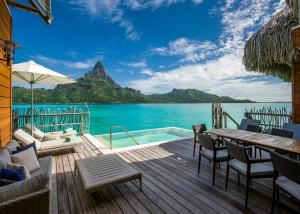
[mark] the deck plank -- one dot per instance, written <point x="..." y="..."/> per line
<point x="171" y="184"/>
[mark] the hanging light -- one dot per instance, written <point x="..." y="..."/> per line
<point x="8" y="48"/>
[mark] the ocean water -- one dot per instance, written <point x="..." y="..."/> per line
<point x="148" y="116"/>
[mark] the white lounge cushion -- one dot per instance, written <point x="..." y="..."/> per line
<point x="26" y="138"/>
<point x="26" y="158"/>
<point x="257" y="169"/>
<point x="37" y="133"/>
<point x="60" y="143"/>
<point x="289" y="186"/>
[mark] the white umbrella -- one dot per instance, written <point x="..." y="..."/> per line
<point x="34" y="73"/>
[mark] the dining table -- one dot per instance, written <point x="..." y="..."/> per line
<point x="259" y="139"/>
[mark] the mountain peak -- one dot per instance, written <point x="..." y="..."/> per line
<point x="99" y="70"/>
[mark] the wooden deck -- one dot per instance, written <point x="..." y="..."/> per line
<point x="170" y="185"/>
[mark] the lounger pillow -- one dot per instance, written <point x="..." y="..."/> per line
<point x="26" y="138"/>
<point x="26" y="158"/>
<point x="38" y="134"/>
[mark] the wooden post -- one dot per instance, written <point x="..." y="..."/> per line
<point x="5" y="76"/>
<point x="296" y="77"/>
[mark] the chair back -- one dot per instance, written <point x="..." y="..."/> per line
<point x="200" y="128"/>
<point x="245" y="122"/>
<point x="206" y="141"/>
<point x="293" y="127"/>
<point x="282" y="133"/>
<point x="237" y="152"/>
<point x="253" y="128"/>
<point x="286" y="166"/>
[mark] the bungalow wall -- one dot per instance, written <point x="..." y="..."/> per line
<point x="5" y="78"/>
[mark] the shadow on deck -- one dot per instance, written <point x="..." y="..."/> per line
<point x="170" y="185"/>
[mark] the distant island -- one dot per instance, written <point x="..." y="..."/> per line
<point x="98" y="87"/>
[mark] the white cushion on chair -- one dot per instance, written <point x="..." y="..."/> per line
<point x="221" y="154"/>
<point x="257" y="169"/>
<point x="289" y="186"/>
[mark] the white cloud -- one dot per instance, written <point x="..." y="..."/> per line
<point x="113" y="11"/>
<point x="190" y="50"/>
<point x="224" y="74"/>
<point x="147" y="72"/>
<point x="86" y="64"/>
<point x="139" y="64"/>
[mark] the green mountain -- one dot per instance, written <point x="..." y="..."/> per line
<point x="97" y="87"/>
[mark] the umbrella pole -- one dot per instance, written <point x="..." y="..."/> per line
<point x="31" y="84"/>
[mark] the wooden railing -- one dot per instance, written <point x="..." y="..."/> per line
<point x="270" y="117"/>
<point x="54" y="118"/>
<point x="227" y="116"/>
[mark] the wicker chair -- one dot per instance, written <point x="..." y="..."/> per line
<point x="243" y="164"/>
<point x="31" y="195"/>
<point x="33" y="203"/>
<point x="245" y="122"/>
<point x="198" y="129"/>
<point x="286" y="177"/>
<point x="213" y="153"/>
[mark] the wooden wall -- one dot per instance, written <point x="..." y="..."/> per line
<point x="5" y="78"/>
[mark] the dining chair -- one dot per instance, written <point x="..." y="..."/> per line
<point x="209" y="150"/>
<point x="293" y="127"/>
<point x="286" y="178"/>
<point x="198" y="129"/>
<point x="256" y="129"/>
<point x="282" y="133"/>
<point x="245" y="122"/>
<point x="240" y="161"/>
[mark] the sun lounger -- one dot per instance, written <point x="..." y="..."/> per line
<point x="47" y="146"/>
<point x="39" y="134"/>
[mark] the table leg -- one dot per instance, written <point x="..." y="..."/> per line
<point x="141" y="183"/>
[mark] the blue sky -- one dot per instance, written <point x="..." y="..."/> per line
<point x="155" y="45"/>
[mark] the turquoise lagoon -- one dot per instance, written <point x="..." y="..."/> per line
<point x="149" y="116"/>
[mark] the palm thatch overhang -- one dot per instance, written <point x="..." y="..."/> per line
<point x="270" y="50"/>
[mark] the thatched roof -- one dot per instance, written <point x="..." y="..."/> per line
<point x="270" y="50"/>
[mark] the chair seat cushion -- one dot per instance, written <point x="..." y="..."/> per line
<point x="209" y="154"/>
<point x="46" y="167"/>
<point x="289" y="186"/>
<point x="257" y="169"/>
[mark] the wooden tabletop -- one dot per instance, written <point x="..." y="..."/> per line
<point x="270" y="141"/>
